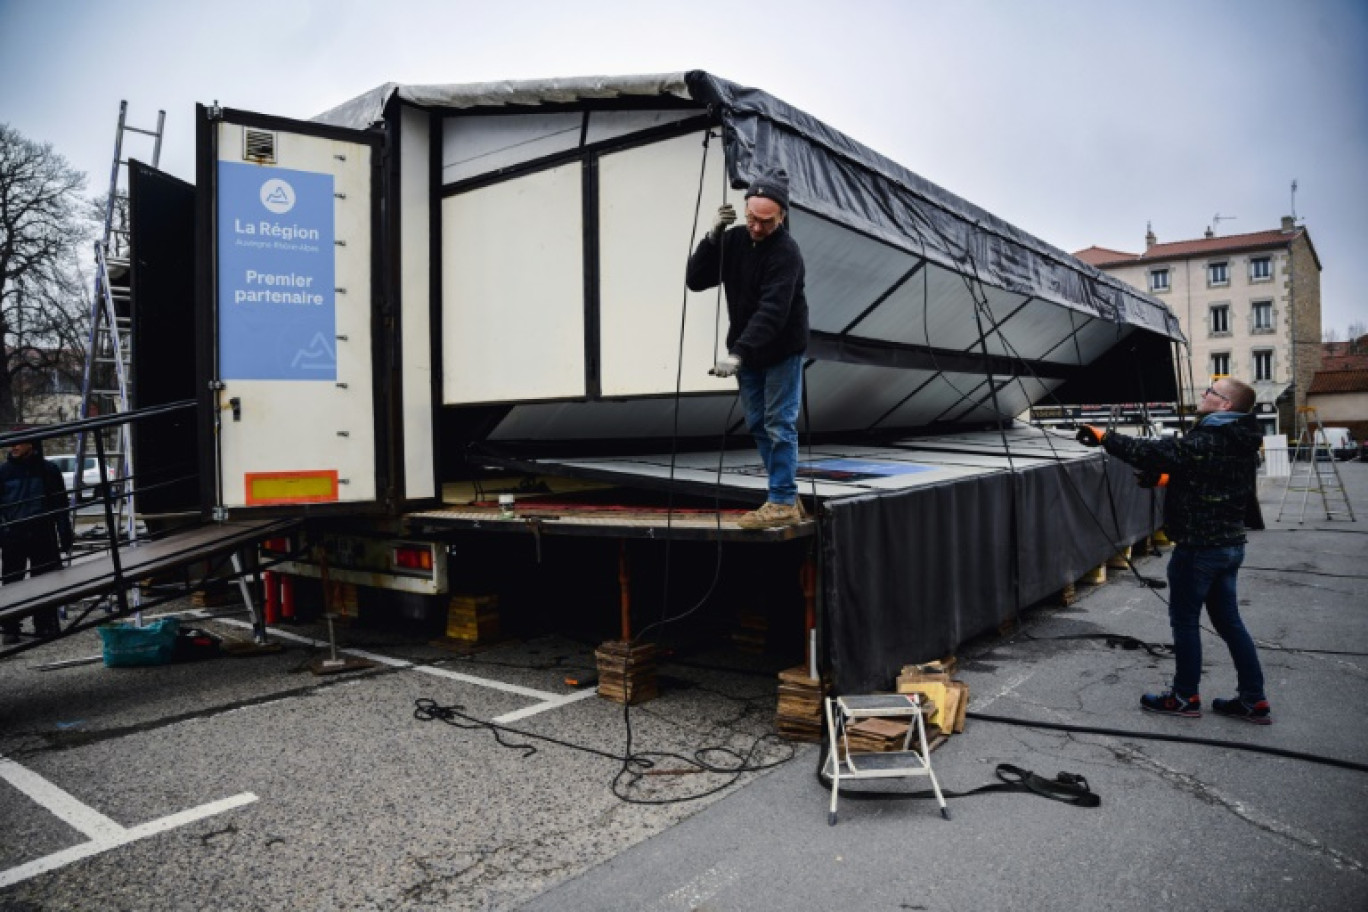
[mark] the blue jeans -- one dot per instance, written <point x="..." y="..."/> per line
<point x="771" y="396"/>
<point x="1200" y="576"/>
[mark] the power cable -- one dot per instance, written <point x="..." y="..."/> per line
<point x="1180" y="739"/>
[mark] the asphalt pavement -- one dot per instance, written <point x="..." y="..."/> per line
<point x="252" y="783"/>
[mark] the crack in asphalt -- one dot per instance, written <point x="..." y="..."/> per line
<point x="1209" y="795"/>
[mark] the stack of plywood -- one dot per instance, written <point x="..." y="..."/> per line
<point x="877" y="735"/>
<point x="216" y="597"/>
<point x="751" y="632"/>
<point x="949" y="699"/>
<point x="627" y="673"/>
<point x="800" y="705"/>
<point x="473" y="618"/>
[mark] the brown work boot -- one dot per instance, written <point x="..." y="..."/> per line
<point x="771" y="515"/>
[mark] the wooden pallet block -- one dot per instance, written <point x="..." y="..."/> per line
<point x="627" y="672"/>
<point x="473" y="618"/>
<point x="799" y="716"/>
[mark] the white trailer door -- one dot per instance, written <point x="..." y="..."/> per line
<point x="293" y="242"/>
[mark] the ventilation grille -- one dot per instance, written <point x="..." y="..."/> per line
<point x="259" y="146"/>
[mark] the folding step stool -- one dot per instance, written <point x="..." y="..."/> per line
<point x="841" y="763"/>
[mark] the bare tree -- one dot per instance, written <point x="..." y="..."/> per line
<point x="42" y="298"/>
<point x="1357" y="330"/>
<point x="1329" y="334"/>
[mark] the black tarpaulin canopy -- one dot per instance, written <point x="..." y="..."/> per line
<point x="925" y="309"/>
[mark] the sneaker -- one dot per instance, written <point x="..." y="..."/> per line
<point x="771" y="515"/>
<point x="1169" y="703"/>
<point x="1258" y="712"/>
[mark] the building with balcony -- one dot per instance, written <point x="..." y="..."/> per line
<point x="1249" y="305"/>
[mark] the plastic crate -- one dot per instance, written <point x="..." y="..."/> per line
<point x="127" y="646"/>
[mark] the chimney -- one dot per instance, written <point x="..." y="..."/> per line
<point x="1289" y="224"/>
<point x="1209" y="233"/>
<point x="1150" y="239"/>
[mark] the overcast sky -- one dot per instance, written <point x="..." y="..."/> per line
<point x="1078" y="121"/>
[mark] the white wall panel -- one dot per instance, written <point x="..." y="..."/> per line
<point x="513" y="290"/>
<point x="415" y="365"/>
<point x="648" y="197"/>
<point x="480" y="144"/>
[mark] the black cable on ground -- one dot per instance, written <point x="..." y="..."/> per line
<point x="1180" y="739"/>
<point x="635" y="766"/>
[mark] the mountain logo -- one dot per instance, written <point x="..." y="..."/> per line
<point x="277" y="196"/>
<point x="319" y="356"/>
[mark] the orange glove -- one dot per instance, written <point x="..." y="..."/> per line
<point x="1152" y="479"/>
<point x="1089" y="436"/>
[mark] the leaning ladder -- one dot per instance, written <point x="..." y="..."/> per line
<point x="1314" y="472"/>
<point x="106" y="385"/>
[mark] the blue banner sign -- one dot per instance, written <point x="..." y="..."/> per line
<point x="276" y="274"/>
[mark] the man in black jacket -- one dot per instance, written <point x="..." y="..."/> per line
<point x="34" y="524"/>
<point x="761" y="269"/>
<point x="1211" y="499"/>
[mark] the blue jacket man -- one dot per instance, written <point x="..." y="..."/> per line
<point x="1211" y="500"/>
<point x="34" y="526"/>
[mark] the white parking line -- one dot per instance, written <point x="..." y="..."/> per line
<point x="104" y="833"/>
<point x="546" y="700"/>
<point x="1011" y="686"/>
<point x="553" y="703"/>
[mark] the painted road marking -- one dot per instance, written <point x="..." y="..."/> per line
<point x="553" y="703"/>
<point x="545" y="699"/>
<point x="1011" y="686"/>
<point x="103" y="832"/>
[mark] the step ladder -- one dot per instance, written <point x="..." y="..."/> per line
<point x="107" y="382"/>
<point x="842" y="763"/>
<point x="1314" y="472"/>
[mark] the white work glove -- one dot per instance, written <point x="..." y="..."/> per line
<point x="726" y="366"/>
<point x="726" y="215"/>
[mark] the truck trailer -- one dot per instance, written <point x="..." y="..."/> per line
<point x="432" y="295"/>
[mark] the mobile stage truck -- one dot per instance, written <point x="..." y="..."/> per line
<point x="431" y="288"/>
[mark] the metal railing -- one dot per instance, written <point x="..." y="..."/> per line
<point x="109" y="490"/>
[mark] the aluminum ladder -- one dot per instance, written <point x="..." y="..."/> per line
<point x="1314" y="472"/>
<point x="107" y="383"/>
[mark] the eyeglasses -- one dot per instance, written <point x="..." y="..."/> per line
<point x="1211" y="391"/>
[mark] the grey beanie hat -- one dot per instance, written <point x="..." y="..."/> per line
<point x="771" y="183"/>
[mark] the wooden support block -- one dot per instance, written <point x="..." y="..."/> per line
<point x="962" y="706"/>
<point x="1160" y="538"/>
<point x="1096" y="576"/>
<point x="751" y="633"/>
<point x="933" y="687"/>
<point x="627" y="673"/>
<point x="216" y="598"/>
<point x="1120" y="560"/>
<point x="1067" y="596"/>
<point x="799" y="715"/>
<point x="473" y="618"/>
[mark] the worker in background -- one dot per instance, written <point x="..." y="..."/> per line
<point x="34" y="527"/>
<point x="761" y="269"/>
<point x="1212" y="498"/>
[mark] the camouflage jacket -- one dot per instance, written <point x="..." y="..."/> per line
<point x="1212" y="472"/>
